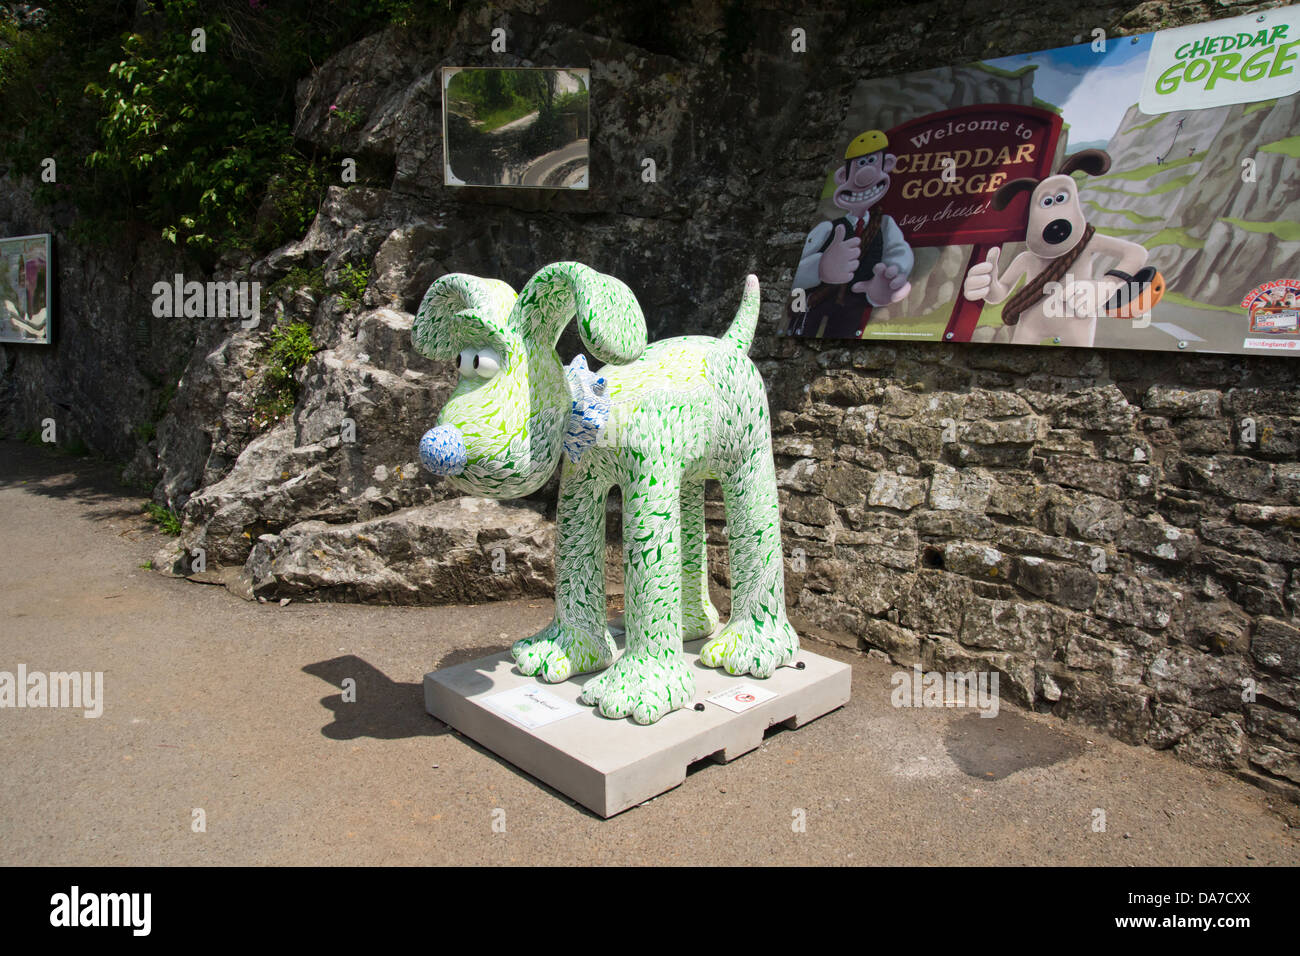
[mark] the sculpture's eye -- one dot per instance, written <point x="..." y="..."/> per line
<point x="466" y="361"/>
<point x="1061" y="197"/>
<point x="486" y="362"/>
<point x="1046" y="201"/>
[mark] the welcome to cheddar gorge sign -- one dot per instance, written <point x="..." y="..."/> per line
<point x="1136" y="192"/>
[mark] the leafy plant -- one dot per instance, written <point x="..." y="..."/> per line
<point x="297" y="278"/>
<point x="168" y="521"/>
<point x="288" y="349"/>
<point x="181" y="134"/>
<point x="351" y="119"/>
<point x="293" y="194"/>
<point x="351" y="284"/>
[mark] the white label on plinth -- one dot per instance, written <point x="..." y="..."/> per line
<point x="530" y="706"/>
<point x="740" y="698"/>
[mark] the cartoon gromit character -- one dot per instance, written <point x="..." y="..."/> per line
<point x="859" y="260"/>
<point x="1062" y="300"/>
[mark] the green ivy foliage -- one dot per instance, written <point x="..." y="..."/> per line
<point x="152" y="132"/>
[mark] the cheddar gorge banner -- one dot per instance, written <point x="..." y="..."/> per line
<point x="1210" y="65"/>
<point x="1130" y="192"/>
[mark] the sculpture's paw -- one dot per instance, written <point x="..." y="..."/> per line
<point x="557" y="653"/>
<point x="700" y="622"/>
<point x="745" y="647"/>
<point x="645" y="688"/>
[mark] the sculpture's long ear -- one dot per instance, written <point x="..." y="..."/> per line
<point x="609" y="317"/>
<point x="1094" y="162"/>
<point x="453" y="307"/>
<point x="1003" y="196"/>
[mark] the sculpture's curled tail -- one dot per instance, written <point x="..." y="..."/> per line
<point x="741" y="332"/>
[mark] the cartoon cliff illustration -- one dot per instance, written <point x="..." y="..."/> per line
<point x="860" y="260"/>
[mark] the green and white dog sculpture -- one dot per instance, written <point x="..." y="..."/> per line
<point x="657" y="422"/>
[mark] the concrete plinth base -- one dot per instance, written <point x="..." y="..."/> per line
<point x="611" y="765"/>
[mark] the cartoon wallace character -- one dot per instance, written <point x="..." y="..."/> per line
<point x="859" y="260"/>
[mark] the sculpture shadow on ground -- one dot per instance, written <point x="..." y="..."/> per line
<point x="383" y="708"/>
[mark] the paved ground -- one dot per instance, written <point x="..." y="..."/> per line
<point x="235" y="708"/>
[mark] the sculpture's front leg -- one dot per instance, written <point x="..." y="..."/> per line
<point x="577" y="641"/>
<point x="652" y="677"/>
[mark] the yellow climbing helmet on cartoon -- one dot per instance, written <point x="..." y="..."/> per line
<point x="872" y="141"/>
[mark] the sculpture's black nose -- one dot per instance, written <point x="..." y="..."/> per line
<point x="1057" y="231"/>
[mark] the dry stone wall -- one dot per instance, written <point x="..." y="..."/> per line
<point x="1093" y="526"/>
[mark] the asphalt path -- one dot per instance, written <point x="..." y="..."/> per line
<point x="235" y="709"/>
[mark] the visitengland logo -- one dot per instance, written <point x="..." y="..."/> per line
<point x="1241" y="60"/>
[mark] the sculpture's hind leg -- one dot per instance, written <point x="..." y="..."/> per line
<point x="757" y="639"/>
<point x="699" y="616"/>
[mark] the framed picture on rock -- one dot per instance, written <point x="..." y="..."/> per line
<point x="26" y="289"/>
<point x="522" y="127"/>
